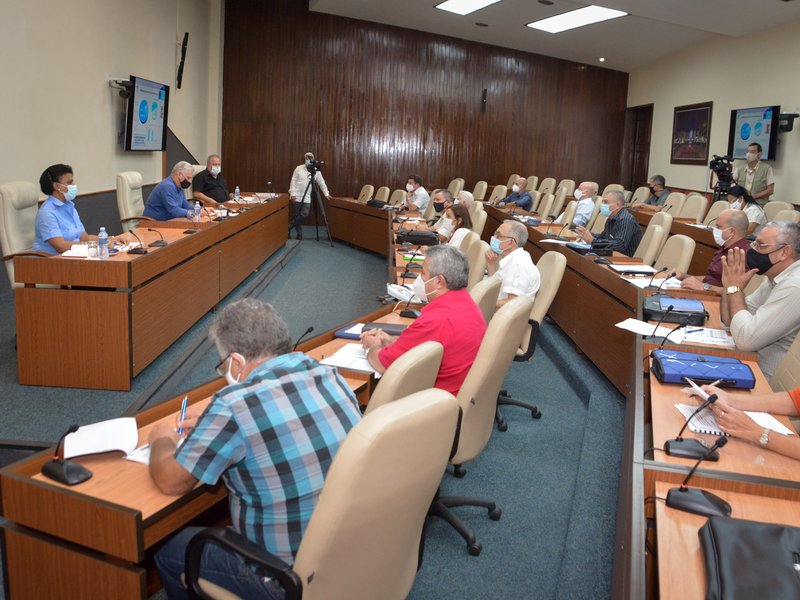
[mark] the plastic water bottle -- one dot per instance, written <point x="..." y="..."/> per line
<point x="237" y="194"/>
<point x="102" y="244"/>
<point x="197" y="212"/>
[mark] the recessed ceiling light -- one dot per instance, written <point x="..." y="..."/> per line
<point x="464" y="7"/>
<point x="576" y="18"/>
<point x="482" y="24"/>
<point x="546" y="2"/>
<point x="602" y="59"/>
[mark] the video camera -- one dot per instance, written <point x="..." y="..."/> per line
<point x="314" y="165"/>
<point x="723" y="168"/>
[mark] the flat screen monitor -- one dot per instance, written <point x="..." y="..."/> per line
<point x="750" y="125"/>
<point x="146" y="119"/>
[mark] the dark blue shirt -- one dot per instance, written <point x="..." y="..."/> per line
<point x="623" y="231"/>
<point x="523" y="200"/>
<point x="167" y="202"/>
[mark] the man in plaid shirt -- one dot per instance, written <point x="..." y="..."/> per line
<point x="271" y="435"/>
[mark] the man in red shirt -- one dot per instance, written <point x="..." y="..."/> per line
<point x="451" y="318"/>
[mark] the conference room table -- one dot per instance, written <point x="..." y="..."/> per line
<point x="98" y="323"/>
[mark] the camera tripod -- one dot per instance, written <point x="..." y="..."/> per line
<point x="319" y="208"/>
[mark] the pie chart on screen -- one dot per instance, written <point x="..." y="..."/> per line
<point x="143" y="112"/>
<point x="745" y="131"/>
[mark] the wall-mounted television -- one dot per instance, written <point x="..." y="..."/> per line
<point x="146" y="118"/>
<point x="750" y="125"/>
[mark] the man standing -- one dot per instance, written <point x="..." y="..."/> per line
<point x="167" y="200"/>
<point x="621" y="230"/>
<point x="585" y="196"/>
<point x="508" y="259"/>
<point x="756" y="177"/>
<point x="658" y="193"/>
<point x="417" y="197"/>
<point x="519" y="196"/>
<point x="209" y="186"/>
<point x="270" y="435"/>
<point x="451" y="318"/>
<point x="301" y="193"/>
<point x="767" y="320"/>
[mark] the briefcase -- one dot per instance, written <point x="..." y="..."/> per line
<point x="417" y="237"/>
<point x="685" y="310"/>
<point x="673" y="366"/>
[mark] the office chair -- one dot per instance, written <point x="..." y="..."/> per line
<point x="713" y="212"/>
<point x="792" y="216"/>
<point x="641" y="194"/>
<point x="365" y="535"/>
<point x="674" y="203"/>
<point x="19" y="203"/>
<point x="533" y="182"/>
<point x="455" y="186"/>
<point x="650" y="245"/>
<point x="545" y="204"/>
<point x="366" y="193"/>
<point x="626" y="194"/>
<point x="773" y="207"/>
<point x="474" y="210"/>
<point x="485" y="294"/>
<point x="478" y="400"/>
<point x="568" y="185"/>
<point x="129" y="200"/>
<point x="479" y="222"/>
<point x="536" y="198"/>
<point x="479" y="191"/>
<point x="476" y="257"/>
<point x="466" y="243"/>
<point x="599" y="222"/>
<point x="430" y="211"/>
<point x="676" y="254"/>
<point x="498" y="193"/>
<point x="397" y="197"/>
<point x="511" y="180"/>
<point x="558" y="203"/>
<point x="551" y="269"/>
<point x="382" y="194"/>
<point x="569" y="213"/>
<point x="787" y="375"/>
<point x="613" y="187"/>
<point x="693" y="208"/>
<point x="189" y="192"/>
<point x="595" y="213"/>
<point x="665" y="220"/>
<point x="414" y="371"/>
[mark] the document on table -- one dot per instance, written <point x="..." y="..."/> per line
<point x="115" y="434"/>
<point x="632" y="269"/>
<point x="642" y="282"/>
<point x="554" y="241"/>
<point x="644" y="328"/>
<point x="705" y="335"/>
<point x="706" y="421"/>
<point x="350" y="356"/>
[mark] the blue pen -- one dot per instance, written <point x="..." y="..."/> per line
<point x="183" y="413"/>
<point x="694" y="330"/>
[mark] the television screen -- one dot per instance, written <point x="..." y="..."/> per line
<point x="146" y="120"/>
<point x="750" y="125"/>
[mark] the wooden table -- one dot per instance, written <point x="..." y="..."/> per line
<point x="360" y="225"/>
<point x="109" y="319"/>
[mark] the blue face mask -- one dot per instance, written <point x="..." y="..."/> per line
<point x="71" y="193"/>
<point x="494" y="244"/>
<point x="605" y="210"/>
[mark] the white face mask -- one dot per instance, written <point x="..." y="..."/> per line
<point x="409" y="187"/>
<point x="718" y="238"/>
<point x="446" y="228"/>
<point x="515" y="188"/>
<point x="578" y="194"/>
<point x="736" y="204"/>
<point x="215" y="170"/>
<point x="752" y="156"/>
<point x="419" y="288"/>
<point x="228" y="376"/>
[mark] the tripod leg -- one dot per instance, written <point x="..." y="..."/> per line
<point x="321" y="209"/>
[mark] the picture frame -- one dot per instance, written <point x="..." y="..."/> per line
<point x="691" y="130"/>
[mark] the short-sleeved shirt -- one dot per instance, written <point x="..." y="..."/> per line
<point x="795" y="395"/>
<point x="215" y="188"/>
<point x="755" y="214"/>
<point x="714" y="272"/>
<point x="167" y="201"/>
<point x="455" y="321"/>
<point x="272" y="438"/>
<point x="520" y="276"/>
<point x="420" y="198"/>
<point x="56" y="219"/>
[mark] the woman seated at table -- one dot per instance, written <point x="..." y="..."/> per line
<point x="456" y="224"/>
<point x="730" y="416"/>
<point x="741" y="200"/>
<point x="58" y="225"/>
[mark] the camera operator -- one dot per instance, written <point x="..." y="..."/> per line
<point x="301" y="194"/>
<point x="756" y="177"/>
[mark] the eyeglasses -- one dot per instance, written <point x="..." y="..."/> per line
<point x="502" y="237"/>
<point x="760" y="246"/>
<point x="221" y="369"/>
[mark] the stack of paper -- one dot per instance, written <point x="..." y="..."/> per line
<point x="350" y="356"/>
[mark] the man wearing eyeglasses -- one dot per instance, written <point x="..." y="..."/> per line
<point x="508" y="259"/>
<point x="766" y="321"/>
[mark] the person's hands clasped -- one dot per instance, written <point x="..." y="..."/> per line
<point x="584" y="234"/>
<point x="375" y="339"/>
<point x="734" y="269"/>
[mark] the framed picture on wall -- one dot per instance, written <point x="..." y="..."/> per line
<point x="691" y="127"/>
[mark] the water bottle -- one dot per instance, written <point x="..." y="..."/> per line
<point x="197" y="211"/>
<point x="102" y="244"/>
<point x="237" y="194"/>
<point x="270" y="190"/>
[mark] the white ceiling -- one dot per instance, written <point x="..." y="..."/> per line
<point x="652" y="30"/>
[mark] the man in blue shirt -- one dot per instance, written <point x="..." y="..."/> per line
<point x="167" y="200"/>
<point x="58" y="225"/>
<point x="519" y="195"/>
<point x="270" y="435"/>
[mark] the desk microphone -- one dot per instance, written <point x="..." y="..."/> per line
<point x="667" y="208"/>
<point x="305" y="333"/>
<point x="141" y="249"/>
<point x="547" y="231"/>
<point x="558" y="235"/>
<point x="158" y="243"/>
<point x="670" y="308"/>
<point x="684" y="322"/>
<point x="699" y="502"/>
<point x="711" y="222"/>
<point x="64" y="471"/>
<point x="691" y="448"/>
<point x="405" y="273"/>
<point x="650" y="285"/>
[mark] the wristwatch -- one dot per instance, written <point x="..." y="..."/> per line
<point x="706" y="287"/>
<point x="731" y="289"/>
<point x="764" y="439"/>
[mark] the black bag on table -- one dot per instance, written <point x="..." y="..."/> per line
<point x="417" y="238"/>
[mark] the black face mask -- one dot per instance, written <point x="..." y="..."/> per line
<point x="438" y="206"/>
<point x="652" y="189"/>
<point x="185" y="184"/>
<point x="755" y="260"/>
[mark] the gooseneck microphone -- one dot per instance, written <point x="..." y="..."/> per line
<point x="560" y="231"/>
<point x="158" y="243"/>
<point x="684" y="322"/>
<point x="64" y="471"/>
<point x="404" y="274"/>
<point x="305" y="333"/>
<point x="547" y="231"/>
<point x="661" y="320"/>
<point x="650" y="285"/>
<point x="699" y="502"/>
<point x="141" y="249"/>
<point x="691" y="448"/>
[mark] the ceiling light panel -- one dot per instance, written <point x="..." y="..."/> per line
<point x="576" y="18"/>
<point x="464" y="7"/>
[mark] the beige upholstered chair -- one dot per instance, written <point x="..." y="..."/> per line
<point x="364" y="537"/>
<point x="19" y="203"/>
<point x="566" y="184"/>
<point x="665" y="220"/>
<point x="476" y="257"/>
<point x="676" y="254"/>
<point x="599" y="223"/>
<point x="773" y="207"/>
<point x="693" y="208"/>
<point x="558" y="203"/>
<point x="551" y="269"/>
<point x="511" y="180"/>
<point x="792" y="216"/>
<point x="414" y="371"/>
<point x="674" y="203"/>
<point x="536" y="198"/>
<point x="474" y="209"/>
<point x="397" y="197"/>
<point x="787" y="375"/>
<point x="189" y="192"/>
<point x="650" y="245"/>
<point x="129" y="199"/>
<point x="466" y="243"/>
<point x="598" y="200"/>
<point x="478" y="400"/>
<point x="626" y="195"/>
<point x="613" y="187"/>
<point x="485" y="294"/>
<point x="382" y="194"/>
<point x="547" y="186"/>
<point x="713" y="212"/>
<point x="545" y="206"/>
<point x="569" y="212"/>
<point x="455" y="186"/>
<point x="641" y="194"/>
<point x="498" y="193"/>
<point x="430" y="210"/>
<point x="479" y="191"/>
<point x="366" y="193"/>
<point x="533" y="181"/>
<point x="479" y="222"/>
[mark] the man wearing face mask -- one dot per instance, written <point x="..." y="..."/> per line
<point x="508" y="259"/>
<point x="442" y="200"/>
<point x="519" y="196"/>
<point x="729" y="233"/>
<point x="209" y="186"/>
<point x="270" y="435"/>
<point x="417" y="197"/>
<point x="301" y="194"/>
<point x="621" y="229"/>
<point x="767" y="320"/>
<point x="167" y="200"/>
<point x="451" y="318"/>
<point x="583" y="212"/>
<point x="658" y="191"/>
<point x="756" y="177"/>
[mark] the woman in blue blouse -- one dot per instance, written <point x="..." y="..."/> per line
<point x="58" y="225"/>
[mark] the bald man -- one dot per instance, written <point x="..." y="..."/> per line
<point x="519" y="195"/>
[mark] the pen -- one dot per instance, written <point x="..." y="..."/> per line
<point x="183" y="413"/>
<point x="694" y="330"/>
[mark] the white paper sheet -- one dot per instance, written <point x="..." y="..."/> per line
<point x="705" y="335"/>
<point x="644" y="328"/>
<point x="114" y="434"/>
<point x="350" y="356"/>
<point x="632" y="268"/>
<point x="642" y="282"/>
<point x="706" y="420"/>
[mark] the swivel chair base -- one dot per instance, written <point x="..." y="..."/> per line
<point x="441" y="508"/>
<point x="504" y="399"/>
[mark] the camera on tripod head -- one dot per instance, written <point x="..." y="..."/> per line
<point x="314" y="165"/>
<point x="723" y="168"/>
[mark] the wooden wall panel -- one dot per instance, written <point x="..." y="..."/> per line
<point x="377" y="103"/>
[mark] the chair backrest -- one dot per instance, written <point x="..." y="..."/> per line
<point x="551" y="270"/>
<point x="693" y="208"/>
<point x="613" y="187"/>
<point x="479" y="222"/>
<point x="189" y="192"/>
<point x="773" y="207"/>
<point x="474" y="209"/>
<point x="476" y="257"/>
<point x="545" y="204"/>
<point x="566" y="184"/>
<point x="558" y="202"/>
<point x="676" y="254"/>
<point x="792" y="216"/>
<point x="663" y="219"/>
<point x="479" y="191"/>
<point x="511" y="180"/>
<point x="626" y="195"/>
<point x="547" y="186"/>
<point x="466" y="243"/>
<point x="366" y="529"/>
<point x="650" y="245"/>
<point x="641" y="194"/>
<point x="19" y="203"/>
<point x="536" y="198"/>
<point x="129" y="197"/>
<point x="366" y="193"/>
<point x="595" y="212"/>
<point x="674" y="203"/>
<point x="412" y="372"/>
<point x="787" y="375"/>
<point x="430" y="210"/>
<point x="533" y="181"/>
<point x="455" y="186"/>
<point x="485" y="294"/>
<point x="498" y="193"/>
<point x="478" y="394"/>
<point x="599" y="223"/>
<point x="569" y="212"/>
<point x="382" y="194"/>
<point x="397" y="197"/>
<point x="714" y="211"/>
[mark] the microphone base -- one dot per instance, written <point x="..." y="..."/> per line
<point x="689" y="448"/>
<point x="652" y="287"/>
<point x="699" y="502"/>
<point x="66" y="472"/>
<point x="657" y="339"/>
<point x="157" y="244"/>
<point x="138" y="251"/>
<point x="190" y="231"/>
<point x="410" y="314"/>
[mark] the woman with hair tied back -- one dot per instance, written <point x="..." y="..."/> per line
<point x="740" y="199"/>
<point x="58" y="225"/>
<point x="456" y="224"/>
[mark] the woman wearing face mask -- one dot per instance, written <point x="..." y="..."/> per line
<point x="456" y="224"/>
<point x="58" y="225"/>
<point x="741" y="200"/>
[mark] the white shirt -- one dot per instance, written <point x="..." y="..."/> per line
<point x="458" y="237"/>
<point x="520" y="276"/>
<point x="755" y="214"/>
<point x="300" y="182"/>
<point x="583" y="212"/>
<point x="420" y="198"/>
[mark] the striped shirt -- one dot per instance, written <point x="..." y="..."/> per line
<point x="623" y="231"/>
<point x="272" y="438"/>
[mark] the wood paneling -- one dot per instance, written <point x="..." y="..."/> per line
<point x="378" y="102"/>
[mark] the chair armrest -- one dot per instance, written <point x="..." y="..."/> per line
<point x="139" y="218"/>
<point x="524" y="357"/>
<point x="25" y="253"/>
<point x="273" y="566"/>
